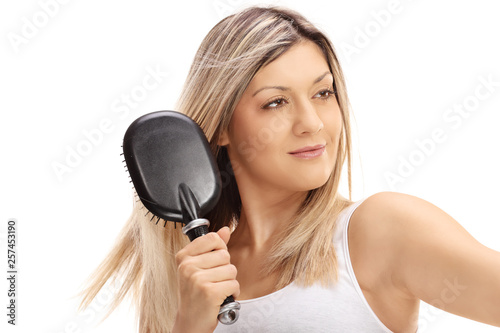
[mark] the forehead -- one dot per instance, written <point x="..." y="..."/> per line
<point x="301" y="63"/>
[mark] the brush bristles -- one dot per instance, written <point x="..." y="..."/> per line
<point x="138" y="199"/>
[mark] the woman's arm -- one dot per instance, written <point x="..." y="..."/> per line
<point x="426" y="254"/>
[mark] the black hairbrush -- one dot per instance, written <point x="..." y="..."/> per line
<point x="175" y="176"/>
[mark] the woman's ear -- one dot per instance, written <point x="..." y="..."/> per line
<point x="223" y="139"/>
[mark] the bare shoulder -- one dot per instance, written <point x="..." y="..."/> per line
<point x="408" y="245"/>
<point x="394" y="206"/>
<point x="375" y="231"/>
<point x="394" y="218"/>
<point x="389" y="230"/>
<point x="374" y="248"/>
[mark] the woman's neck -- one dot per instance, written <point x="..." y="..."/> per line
<point x="264" y="214"/>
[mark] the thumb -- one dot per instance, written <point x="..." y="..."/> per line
<point x="224" y="233"/>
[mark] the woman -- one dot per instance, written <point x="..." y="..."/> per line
<point x="267" y="89"/>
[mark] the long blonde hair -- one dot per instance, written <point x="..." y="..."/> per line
<point x="226" y="61"/>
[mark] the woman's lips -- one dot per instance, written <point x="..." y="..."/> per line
<point x="308" y="152"/>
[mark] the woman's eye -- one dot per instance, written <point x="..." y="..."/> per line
<point x="325" y="94"/>
<point x="276" y="103"/>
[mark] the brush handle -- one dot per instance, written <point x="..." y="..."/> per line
<point x="196" y="228"/>
<point x="229" y="309"/>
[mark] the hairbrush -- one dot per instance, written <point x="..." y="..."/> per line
<point x="175" y="176"/>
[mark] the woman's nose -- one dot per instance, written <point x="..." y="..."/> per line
<point x="307" y="121"/>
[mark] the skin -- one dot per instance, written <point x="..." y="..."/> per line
<point x="281" y="111"/>
<point x="300" y="110"/>
<point x="425" y="255"/>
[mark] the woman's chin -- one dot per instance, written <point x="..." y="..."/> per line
<point x="308" y="183"/>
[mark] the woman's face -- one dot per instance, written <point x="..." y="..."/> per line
<point x="285" y="130"/>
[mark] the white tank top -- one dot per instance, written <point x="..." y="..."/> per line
<point x="340" y="307"/>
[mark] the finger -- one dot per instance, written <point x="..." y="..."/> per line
<point x="225" y="234"/>
<point x="216" y="292"/>
<point x="211" y="259"/>
<point x="225" y="289"/>
<point x="206" y="243"/>
<point x="214" y="275"/>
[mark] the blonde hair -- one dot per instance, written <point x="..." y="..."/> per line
<point x="227" y="60"/>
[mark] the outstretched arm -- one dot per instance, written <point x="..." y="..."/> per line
<point x="431" y="257"/>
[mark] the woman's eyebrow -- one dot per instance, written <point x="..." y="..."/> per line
<point x="270" y="87"/>
<point x="318" y="79"/>
<point x="322" y="76"/>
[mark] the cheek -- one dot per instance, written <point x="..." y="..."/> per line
<point x="334" y="126"/>
<point x="258" y="133"/>
<point x="243" y="142"/>
<point x="333" y="123"/>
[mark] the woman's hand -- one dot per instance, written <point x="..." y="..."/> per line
<point x="206" y="278"/>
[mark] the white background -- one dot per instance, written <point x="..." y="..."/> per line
<point x="68" y="74"/>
